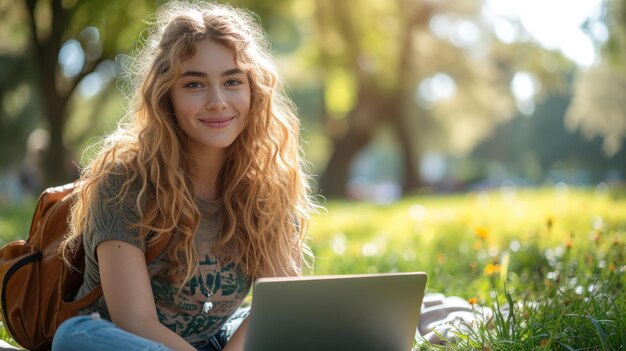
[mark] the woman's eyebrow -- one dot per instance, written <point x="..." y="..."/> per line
<point x="193" y="74"/>
<point x="230" y="72"/>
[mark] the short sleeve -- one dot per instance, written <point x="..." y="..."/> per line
<point x="113" y="217"/>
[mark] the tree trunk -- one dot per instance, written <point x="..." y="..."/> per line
<point x="55" y="102"/>
<point x="55" y="171"/>
<point x="410" y="177"/>
<point x="376" y="105"/>
<point x="364" y="121"/>
<point x="56" y="165"/>
<point x="400" y="101"/>
<point x="371" y="112"/>
<point x="335" y="177"/>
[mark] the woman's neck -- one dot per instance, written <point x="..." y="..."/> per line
<point x="204" y="172"/>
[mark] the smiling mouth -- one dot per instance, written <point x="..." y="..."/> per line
<point x="217" y="123"/>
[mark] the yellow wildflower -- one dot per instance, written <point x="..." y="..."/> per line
<point x="492" y="269"/>
<point x="481" y="232"/>
<point x="472" y="300"/>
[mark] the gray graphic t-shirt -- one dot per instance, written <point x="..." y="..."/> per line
<point x="183" y="313"/>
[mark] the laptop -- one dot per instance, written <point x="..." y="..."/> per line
<point x="371" y="312"/>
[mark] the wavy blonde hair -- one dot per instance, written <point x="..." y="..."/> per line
<point x="263" y="186"/>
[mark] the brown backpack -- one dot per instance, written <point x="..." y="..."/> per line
<point x="37" y="287"/>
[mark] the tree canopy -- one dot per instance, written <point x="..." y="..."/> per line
<point x="431" y="75"/>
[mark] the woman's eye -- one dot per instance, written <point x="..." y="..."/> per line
<point x="232" y="83"/>
<point x="194" y="85"/>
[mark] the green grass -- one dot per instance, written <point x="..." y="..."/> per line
<point x="15" y="219"/>
<point x="556" y="258"/>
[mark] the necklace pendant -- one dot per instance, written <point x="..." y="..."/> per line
<point x="207" y="306"/>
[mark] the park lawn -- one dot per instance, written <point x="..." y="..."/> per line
<point x="556" y="256"/>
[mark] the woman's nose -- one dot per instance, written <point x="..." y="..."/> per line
<point x="215" y="100"/>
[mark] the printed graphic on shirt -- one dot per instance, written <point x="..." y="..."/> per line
<point x="184" y="315"/>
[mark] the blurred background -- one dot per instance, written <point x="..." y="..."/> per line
<point x="396" y="97"/>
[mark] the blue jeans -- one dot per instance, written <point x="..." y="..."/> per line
<point x="92" y="333"/>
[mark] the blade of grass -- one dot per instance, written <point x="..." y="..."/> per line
<point x="600" y="332"/>
<point x="554" y="331"/>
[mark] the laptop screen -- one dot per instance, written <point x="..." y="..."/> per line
<point x="376" y="312"/>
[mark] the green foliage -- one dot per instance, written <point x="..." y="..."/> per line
<point x="541" y="146"/>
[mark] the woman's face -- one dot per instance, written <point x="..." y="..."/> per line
<point x="211" y="98"/>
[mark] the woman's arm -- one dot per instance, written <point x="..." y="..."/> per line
<point x="128" y="293"/>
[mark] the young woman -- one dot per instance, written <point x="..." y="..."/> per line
<point x="208" y="158"/>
